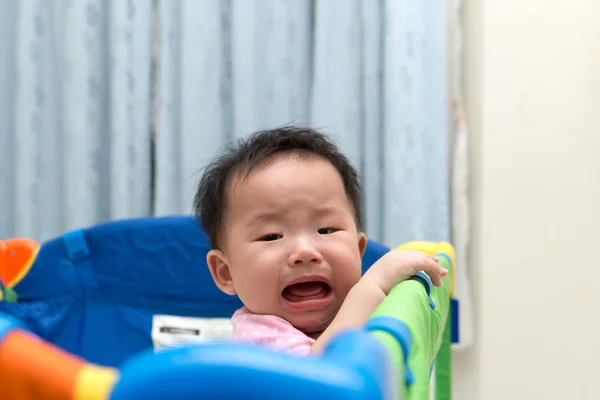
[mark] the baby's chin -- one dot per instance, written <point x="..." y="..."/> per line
<point x="312" y="326"/>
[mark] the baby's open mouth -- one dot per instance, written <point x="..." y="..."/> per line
<point x="306" y="291"/>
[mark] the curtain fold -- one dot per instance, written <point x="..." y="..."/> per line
<point x="75" y="80"/>
<point x="110" y="109"/>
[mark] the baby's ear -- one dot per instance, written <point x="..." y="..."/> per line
<point x="362" y="243"/>
<point x="218" y="266"/>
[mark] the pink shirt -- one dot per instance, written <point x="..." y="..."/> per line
<point x="271" y="331"/>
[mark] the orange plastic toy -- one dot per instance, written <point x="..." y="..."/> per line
<point x="32" y="369"/>
<point x="17" y="256"/>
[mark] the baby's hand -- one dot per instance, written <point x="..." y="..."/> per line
<point x="400" y="265"/>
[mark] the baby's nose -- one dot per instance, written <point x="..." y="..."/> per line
<point x="305" y="253"/>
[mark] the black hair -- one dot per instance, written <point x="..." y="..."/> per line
<point x="210" y="202"/>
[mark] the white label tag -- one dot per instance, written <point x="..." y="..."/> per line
<point x="171" y="330"/>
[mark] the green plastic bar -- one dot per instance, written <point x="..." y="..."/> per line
<point x="443" y="364"/>
<point x="408" y="302"/>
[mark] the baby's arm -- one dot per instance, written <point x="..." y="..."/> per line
<point x="362" y="300"/>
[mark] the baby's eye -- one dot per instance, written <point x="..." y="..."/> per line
<point x="326" y="231"/>
<point x="270" y="237"/>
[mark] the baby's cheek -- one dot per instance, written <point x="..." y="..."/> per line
<point x="258" y="290"/>
<point x="347" y="282"/>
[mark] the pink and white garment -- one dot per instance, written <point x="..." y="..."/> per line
<point x="271" y="331"/>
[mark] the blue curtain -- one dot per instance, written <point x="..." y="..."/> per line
<point x="109" y="109"/>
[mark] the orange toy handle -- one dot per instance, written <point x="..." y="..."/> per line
<point x="32" y="369"/>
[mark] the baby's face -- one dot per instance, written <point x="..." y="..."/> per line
<point x="291" y="246"/>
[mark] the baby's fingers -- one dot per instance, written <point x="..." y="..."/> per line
<point x="435" y="272"/>
<point x="432" y="257"/>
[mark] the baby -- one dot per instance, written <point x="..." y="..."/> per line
<point x="282" y="210"/>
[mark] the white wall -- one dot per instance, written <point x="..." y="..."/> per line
<point x="532" y="87"/>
